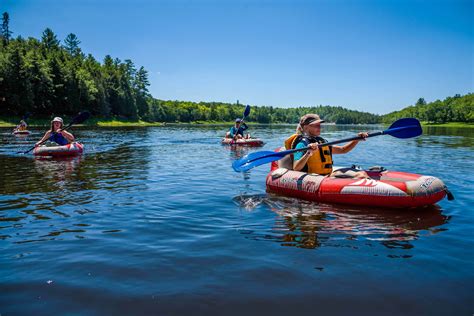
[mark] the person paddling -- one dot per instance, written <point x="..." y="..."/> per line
<point x="56" y="134"/>
<point x="21" y="127"/>
<point x="237" y="131"/>
<point x="318" y="159"/>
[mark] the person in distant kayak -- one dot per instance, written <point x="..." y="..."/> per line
<point x="56" y="134"/>
<point x="21" y="127"/>
<point x="237" y="131"/>
<point x="318" y="159"/>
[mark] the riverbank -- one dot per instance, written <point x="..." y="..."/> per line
<point x="114" y="122"/>
<point x="449" y="124"/>
<point x="12" y="122"/>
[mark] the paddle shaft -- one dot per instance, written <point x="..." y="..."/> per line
<point x="287" y="152"/>
<point x="389" y="131"/>
<point x="290" y="151"/>
<point x="333" y="142"/>
<point x="241" y="121"/>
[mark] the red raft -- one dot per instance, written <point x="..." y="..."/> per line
<point x="71" y="149"/>
<point x="390" y="189"/>
<point x="251" y="142"/>
<point x="21" y="133"/>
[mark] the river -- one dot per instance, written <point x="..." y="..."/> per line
<point x="154" y="221"/>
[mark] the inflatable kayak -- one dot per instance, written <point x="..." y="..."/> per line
<point x="384" y="188"/>
<point x="21" y="133"/>
<point x="254" y="142"/>
<point x="72" y="149"/>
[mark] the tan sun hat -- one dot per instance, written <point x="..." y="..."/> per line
<point x="57" y="119"/>
<point x="310" y="119"/>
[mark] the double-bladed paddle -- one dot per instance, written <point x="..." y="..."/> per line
<point x="402" y="128"/>
<point x="81" y="117"/>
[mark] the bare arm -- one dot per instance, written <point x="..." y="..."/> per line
<point x="299" y="164"/>
<point x="44" y="138"/>
<point x="68" y="136"/>
<point x="349" y="146"/>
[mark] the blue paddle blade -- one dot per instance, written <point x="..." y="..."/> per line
<point x="256" y="159"/>
<point x="247" y="111"/>
<point x="405" y="128"/>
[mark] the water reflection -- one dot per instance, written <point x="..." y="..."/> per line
<point x="309" y="225"/>
<point x="237" y="152"/>
<point x="445" y="141"/>
<point x="50" y="198"/>
<point x="57" y="169"/>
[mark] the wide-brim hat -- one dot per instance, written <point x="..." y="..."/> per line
<point x="58" y="119"/>
<point x="310" y="119"/>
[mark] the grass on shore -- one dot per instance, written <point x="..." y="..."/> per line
<point x="449" y="124"/>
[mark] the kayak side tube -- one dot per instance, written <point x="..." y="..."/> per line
<point x="388" y="189"/>
<point x="71" y="149"/>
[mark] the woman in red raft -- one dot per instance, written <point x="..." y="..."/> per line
<point x="65" y="140"/>
<point x="310" y="175"/>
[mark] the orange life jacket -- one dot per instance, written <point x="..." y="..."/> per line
<point x="321" y="160"/>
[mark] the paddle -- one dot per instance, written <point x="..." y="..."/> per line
<point x="402" y="128"/>
<point x="77" y="120"/>
<point x="246" y="113"/>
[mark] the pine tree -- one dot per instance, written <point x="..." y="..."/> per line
<point x="49" y="39"/>
<point x="5" y="32"/>
<point x="421" y="101"/>
<point x="71" y="44"/>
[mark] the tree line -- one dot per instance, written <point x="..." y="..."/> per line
<point x="452" y="109"/>
<point x="46" y="77"/>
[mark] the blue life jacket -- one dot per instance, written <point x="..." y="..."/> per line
<point x="58" y="139"/>
<point x="241" y="130"/>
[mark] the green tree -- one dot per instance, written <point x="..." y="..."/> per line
<point x="141" y="84"/>
<point x="71" y="44"/>
<point x="421" y="101"/>
<point x="49" y="39"/>
<point x="5" y="31"/>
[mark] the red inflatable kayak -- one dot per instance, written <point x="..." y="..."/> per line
<point x="391" y="189"/>
<point x="72" y="149"/>
<point x="253" y="142"/>
<point x="21" y="133"/>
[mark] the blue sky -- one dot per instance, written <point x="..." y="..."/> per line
<point x="375" y="56"/>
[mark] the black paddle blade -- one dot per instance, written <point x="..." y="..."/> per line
<point x="405" y="128"/>
<point x="80" y="118"/>
<point x="247" y="111"/>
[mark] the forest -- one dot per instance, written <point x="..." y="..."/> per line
<point x="48" y="77"/>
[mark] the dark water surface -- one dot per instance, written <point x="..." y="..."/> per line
<point x="154" y="221"/>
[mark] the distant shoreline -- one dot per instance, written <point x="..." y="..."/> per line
<point x="101" y="122"/>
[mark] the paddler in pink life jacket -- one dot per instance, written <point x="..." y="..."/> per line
<point x="318" y="159"/>
<point x="237" y="131"/>
<point x="55" y="134"/>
